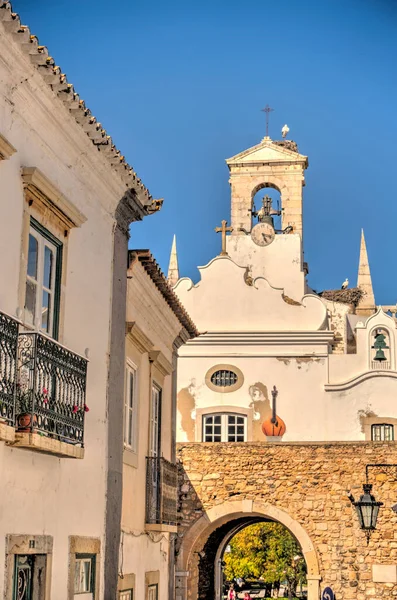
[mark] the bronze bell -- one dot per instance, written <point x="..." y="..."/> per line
<point x="380" y="355"/>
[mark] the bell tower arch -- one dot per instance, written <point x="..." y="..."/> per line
<point x="275" y="164"/>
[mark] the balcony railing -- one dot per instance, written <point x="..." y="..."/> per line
<point x="8" y="367"/>
<point x="51" y="389"/>
<point x="161" y="491"/>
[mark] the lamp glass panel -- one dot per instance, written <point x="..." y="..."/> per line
<point x="375" y="515"/>
<point x="360" y="516"/>
<point x="367" y="514"/>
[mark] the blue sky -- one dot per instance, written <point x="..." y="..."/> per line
<point x="179" y="86"/>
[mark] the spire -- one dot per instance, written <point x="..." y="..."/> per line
<point x="364" y="281"/>
<point x="173" y="269"/>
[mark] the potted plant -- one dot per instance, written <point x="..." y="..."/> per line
<point x="26" y="421"/>
<point x="24" y="414"/>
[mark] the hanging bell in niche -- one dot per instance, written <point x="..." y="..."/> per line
<point x="380" y="355"/>
<point x="380" y="345"/>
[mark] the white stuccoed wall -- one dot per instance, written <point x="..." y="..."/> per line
<point x="280" y="262"/>
<point x="43" y="494"/>
<point x="273" y="341"/>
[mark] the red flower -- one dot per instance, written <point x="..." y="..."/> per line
<point x="75" y="409"/>
<point x="45" y="391"/>
<point x="45" y="400"/>
<point x="86" y="409"/>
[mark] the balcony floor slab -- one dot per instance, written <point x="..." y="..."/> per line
<point x="41" y="443"/>
<point x="7" y="433"/>
<point x="161" y="528"/>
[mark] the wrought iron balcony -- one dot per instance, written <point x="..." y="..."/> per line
<point x="161" y="491"/>
<point x="8" y="368"/>
<point x="51" y="389"/>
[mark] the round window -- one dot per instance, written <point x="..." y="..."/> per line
<point x="224" y="378"/>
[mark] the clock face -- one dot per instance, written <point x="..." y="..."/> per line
<point x="263" y="234"/>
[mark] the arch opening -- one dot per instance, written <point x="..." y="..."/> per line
<point x="204" y="544"/>
<point x="254" y="555"/>
<point x="267" y="190"/>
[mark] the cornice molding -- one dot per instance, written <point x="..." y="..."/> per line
<point x="160" y="362"/>
<point x="6" y="149"/>
<point x="181" y="339"/>
<point x="345" y="385"/>
<point x="140" y="340"/>
<point x="40" y="188"/>
<point x="273" y="338"/>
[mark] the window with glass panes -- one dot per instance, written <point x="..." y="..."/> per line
<point x="225" y="427"/>
<point x="43" y="280"/>
<point x="126" y="595"/>
<point x="84" y="574"/>
<point x="382" y="432"/>
<point x="152" y="592"/>
<point x="155" y="422"/>
<point x="130" y="408"/>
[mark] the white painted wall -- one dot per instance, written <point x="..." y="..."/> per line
<point x="276" y="335"/>
<point x="44" y="494"/>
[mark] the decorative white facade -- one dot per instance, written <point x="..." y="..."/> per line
<point x="262" y="326"/>
<point x="67" y="197"/>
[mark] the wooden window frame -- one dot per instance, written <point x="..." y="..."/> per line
<point x="224" y="426"/>
<point x="92" y="558"/>
<point x="155" y="424"/>
<point x="42" y="235"/>
<point x="130" y="368"/>
<point x="153" y="586"/>
<point x="83" y="547"/>
<point x="126" y="583"/>
<point x="53" y="212"/>
<point x="380" y="426"/>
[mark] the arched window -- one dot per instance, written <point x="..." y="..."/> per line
<point x="382" y="432"/>
<point x="224" y="427"/>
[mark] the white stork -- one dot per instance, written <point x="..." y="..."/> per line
<point x="284" y="131"/>
<point x="344" y="284"/>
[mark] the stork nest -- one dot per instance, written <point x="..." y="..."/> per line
<point x="288" y="144"/>
<point x="348" y="296"/>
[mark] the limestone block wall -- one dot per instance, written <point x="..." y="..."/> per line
<point x="307" y="482"/>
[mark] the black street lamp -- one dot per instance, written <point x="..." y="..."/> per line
<point x="367" y="509"/>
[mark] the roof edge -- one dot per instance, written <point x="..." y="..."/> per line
<point x="149" y="263"/>
<point x="58" y="83"/>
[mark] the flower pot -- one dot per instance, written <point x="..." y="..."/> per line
<point x="24" y="421"/>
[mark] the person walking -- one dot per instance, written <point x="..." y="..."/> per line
<point x="231" y="595"/>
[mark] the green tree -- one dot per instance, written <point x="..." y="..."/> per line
<point x="267" y="551"/>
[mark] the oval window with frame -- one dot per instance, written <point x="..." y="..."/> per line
<point x="224" y="378"/>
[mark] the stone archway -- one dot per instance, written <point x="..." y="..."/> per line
<point x="235" y="513"/>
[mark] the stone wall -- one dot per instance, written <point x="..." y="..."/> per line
<point x="309" y="482"/>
